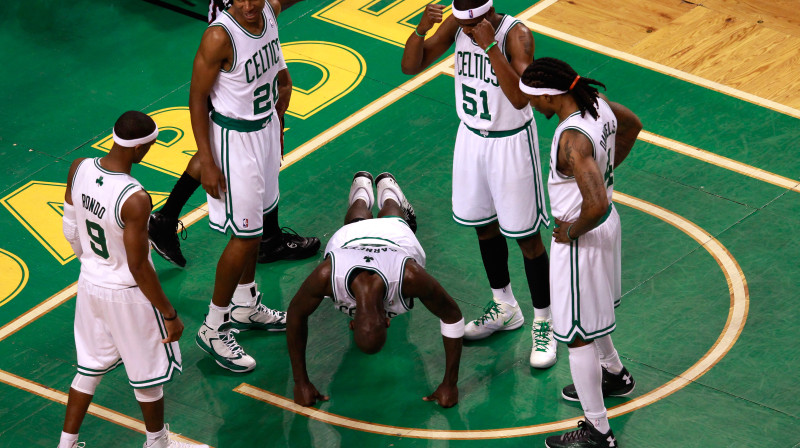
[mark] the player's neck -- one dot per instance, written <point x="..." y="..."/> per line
<point x="568" y="107"/>
<point x="116" y="162"/>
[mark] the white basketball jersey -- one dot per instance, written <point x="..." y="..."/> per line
<point x="249" y="90"/>
<point x="98" y="195"/>
<point x="480" y="102"/>
<point x="565" y="196"/>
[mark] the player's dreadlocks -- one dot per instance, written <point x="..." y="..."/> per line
<point x="556" y="74"/>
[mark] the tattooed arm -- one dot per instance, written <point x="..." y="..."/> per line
<point x="575" y="159"/>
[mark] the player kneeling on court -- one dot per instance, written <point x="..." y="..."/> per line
<point x="121" y="313"/>
<point x="373" y="269"/>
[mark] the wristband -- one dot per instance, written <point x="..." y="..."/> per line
<point x="568" y="235"/>
<point x="454" y="330"/>
<point x="420" y="35"/>
<point x="171" y="318"/>
<point x="486" y="50"/>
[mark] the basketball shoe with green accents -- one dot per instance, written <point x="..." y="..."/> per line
<point x="257" y="317"/>
<point x="497" y="316"/>
<point x="222" y="346"/>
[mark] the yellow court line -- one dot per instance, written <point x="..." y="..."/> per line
<point x="737" y="315"/>
<point x="724" y="162"/>
<point x="95" y="410"/>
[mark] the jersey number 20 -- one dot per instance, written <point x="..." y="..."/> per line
<point x="262" y="103"/>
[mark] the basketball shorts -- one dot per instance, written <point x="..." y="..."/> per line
<point x="498" y="177"/>
<point x="116" y="326"/>
<point x="250" y="162"/>
<point x="585" y="282"/>
<point x="386" y="230"/>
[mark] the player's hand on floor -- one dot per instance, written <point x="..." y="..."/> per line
<point x="306" y="394"/>
<point x="174" y="330"/>
<point x="446" y="396"/>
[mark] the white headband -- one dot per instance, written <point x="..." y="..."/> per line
<point x="136" y="141"/>
<point x="536" y="91"/>
<point x="468" y="14"/>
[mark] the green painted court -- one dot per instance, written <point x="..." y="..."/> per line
<point x="710" y="248"/>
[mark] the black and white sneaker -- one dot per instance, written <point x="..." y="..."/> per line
<point x="163" y="234"/>
<point x="586" y="436"/>
<point x="619" y="385"/>
<point x="287" y="245"/>
<point x="386" y="181"/>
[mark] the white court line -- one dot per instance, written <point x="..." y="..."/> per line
<point x="737" y="315"/>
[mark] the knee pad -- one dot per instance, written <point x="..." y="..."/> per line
<point x="150" y="394"/>
<point x="86" y="384"/>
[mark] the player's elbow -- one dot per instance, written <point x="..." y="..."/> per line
<point x="407" y="69"/>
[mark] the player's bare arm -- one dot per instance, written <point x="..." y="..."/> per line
<point x="72" y="168"/>
<point x="519" y="45"/>
<point x="575" y="159"/>
<point x="215" y="53"/>
<point x="135" y="213"/>
<point x="628" y="128"/>
<point x="276" y="7"/>
<point x="420" y="52"/>
<point x="418" y="283"/>
<point x="304" y="303"/>
<point x="284" y="97"/>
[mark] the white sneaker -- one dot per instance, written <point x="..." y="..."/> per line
<point x="257" y="317"/>
<point x="166" y="441"/>
<point x="222" y="346"/>
<point x="362" y="180"/>
<point x="543" y="353"/>
<point x="497" y="316"/>
<point x="386" y="181"/>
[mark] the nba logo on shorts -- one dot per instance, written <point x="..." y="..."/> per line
<point x="245" y="223"/>
<point x="470" y="14"/>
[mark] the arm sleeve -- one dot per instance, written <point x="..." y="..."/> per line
<point x="70" y="228"/>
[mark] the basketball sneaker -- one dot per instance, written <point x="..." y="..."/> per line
<point x="287" y="245"/>
<point x="222" y="346"/>
<point x="362" y="180"/>
<point x="163" y="233"/>
<point x="386" y="181"/>
<point x="586" y="436"/>
<point x="257" y="317"/>
<point x="614" y="385"/>
<point x="497" y="316"/>
<point x="543" y="353"/>
<point x="166" y="441"/>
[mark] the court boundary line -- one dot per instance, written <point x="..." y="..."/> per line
<point x="734" y="324"/>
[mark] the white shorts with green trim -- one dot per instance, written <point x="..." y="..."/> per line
<point x="250" y="162"/>
<point x="115" y="326"/>
<point x="497" y="176"/>
<point x="585" y="282"/>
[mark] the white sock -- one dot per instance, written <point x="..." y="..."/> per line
<point x="541" y="314"/>
<point x="505" y="295"/>
<point x="362" y="194"/>
<point x="153" y="436"/>
<point x="584" y="363"/>
<point x="609" y="358"/>
<point x="389" y="193"/>
<point x="217" y="316"/>
<point x="245" y="294"/>
<point x="67" y="440"/>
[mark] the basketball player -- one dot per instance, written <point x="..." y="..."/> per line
<point x="372" y="271"/>
<point x="240" y="66"/>
<point x="497" y="180"/>
<point x="594" y="136"/>
<point x="277" y="243"/>
<point x="121" y="312"/>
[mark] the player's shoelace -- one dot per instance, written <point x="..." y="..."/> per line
<point x="576" y="435"/>
<point x="491" y="312"/>
<point x="541" y="336"/>
<point x="230" y="342"/>
<point x="278" y="315"/>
